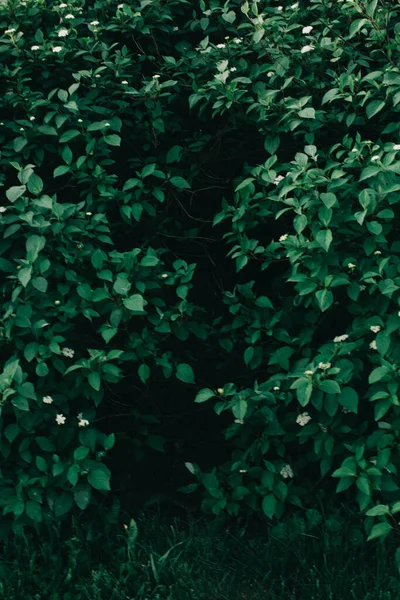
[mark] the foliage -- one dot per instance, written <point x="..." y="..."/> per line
<point x="113" y="121"/>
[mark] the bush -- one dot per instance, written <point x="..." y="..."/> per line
<point x="118" y="125"/>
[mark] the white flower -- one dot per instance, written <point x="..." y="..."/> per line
<point x="63" y="5"/>
<point x="323" y="428"/>
<point x="286" y="471"/>
<point x="308" y="372"/>
<point x="307" y="29"/>
<point x="351" y="266"/>
<point x="362" y="287"/>
<point x="237" y="40"/>
<point x="340" y="338"/>
<point x="60" y="419"/>
<point x="396" y="147"/>
<point x="375" y="328"/>
<point x="12" y="30"/>
<point x="377" y="252"/>
<point x="122" y="6"/>
<point x="80" y="121"/>
<point x="232" y="69"/>
<point x="57" y="302"/>
<point x="124" y="82"/>
<point x="22" y="128"/>
<point x="63" y="33"/>
<point x="68" y="352"/>
<point x="57" y="49"/>
<point x="80" y="416"/>
<point x="398" y="314"/>
<point x="34" y="48"/>
<point x="324" y="366"/>
<point x="283" y="238"/>
<point x="276" y="388"/>
<point x="32" y="118"/>
<point x="94" y="23"/>
<point x="374" y="158"/>
<point x="83" y="423"/>
<point x="270" y="73"/>
<point x="354" y="150"/>
<point x="280" y="8"/>
<point x="239" y="421"/>
<point x="303" y="419"/>
<point x="306" y="49"/>
<point x="220" y="45"/>
<point x="175" y="28"/>
<point x="164" y="275"/>
<point x="88" y="214"/>
<point x="345" y="410"/>
<point x="242" y="470"/>
<point x="69" y="16"/>
<point x="373" y="345"/>
<point x="2" y="209"/>
<point x="156" y="76"/>
<point x="278" y="179"/>
<point x="48" y="400"/>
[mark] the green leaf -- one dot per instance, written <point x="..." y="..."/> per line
<point x="271" y="143"/>
<point x="264" y="302"/>
<point x="374" y="107"/>
<point x="349" y="399"/>
<point x="328" y="199"/>
<point x="134" y="303"/>
<point x="378" y="511"/>
<point x="95" y="380"/>
<point x="269" y="505"/>
<point x="239" y="409"/>
<point x="15" y="192"/>
<point x="324" y="299"/>
<point x="40" y="284"/>
<point x="34" y="511"/>
<point x="24" y="275"/>
<point x="109" y="442"/>
<point x="204" y="395"/>
<point x="184" y="372"/>
<point x="329" y="387"/>
<point x="69" y="135"/>
<point x="144" y="372"/>
<point x="179" y="183"/>
<point x="379" y="530"/>
<point x="378" y="374"/>
<point x="356" y="26"/>
<point x="174" y="154"/>
<point x="324" y="238"/>
<point x="307" y="113"/>
<point x="21" y="403"/>
<point x="303" y="392"/>
<point x="61" y="170"/>
<point x="82" y="496"/>
<point x="34" y="244"/>
<point x="112" y="140"/>
<point x="99" y="478"/>
<point x="122" y="286"/>
<point x="35" y="184"/>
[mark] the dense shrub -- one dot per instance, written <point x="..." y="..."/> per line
<point x="134" y="134"/>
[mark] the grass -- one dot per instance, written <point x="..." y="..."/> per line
<point x="199" y="559"/>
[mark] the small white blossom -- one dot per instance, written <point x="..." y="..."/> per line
<point x="48" y="400"/>
<point x="233" y="69"/>
<point x="398" y="314"/>
<point x="80" y="121"/>
<point x="324" y="366"/>
<point x="57" y="302"/>
<point x="340" y="338"/>
<point x="32" y="118"/>
<point x="278" y="179"/>
<point x="296" y="5"/>
<point x="270" y="73"/>
<point x="377" y="252"/>
<point x="83" y="423"/>
<point x="68" y="352"/>
<point x="396" y="147"/>
<point x="63" y="5"/>
<point x="80" y="416"/>
<point x="88" y="214"/>
<point x="120" y="6"/>
<point x="156" y="76"/>
<point x="175" y="28"/>
<point x="2" y="209"/>
<point x="345" y="410"/>
<point x="374" y="158"/>
<point x="323" y="428"/>
<point x="283" y="238"/>
<point x="34" y="48"/>
<point x="124" y="82"/>
<point x="351" y="266"/>
<point x="373" y="462"/>
<point x="280" y="8"/>
<point x="12" y="30"/>
<point x="22" y="128"/>
<point x="363" y="287"/>
<point x="69" y="16"/>
<point x="242" y="470"/>
<point x="375" y="328"/>
<point x="303" y="419"/>
<point x="164" y="275"/>
<point x="286" y="471"/>
<point x="373" y="345"/>
<point x="276" y="388"/>
<point x="57" y="49"/>
<point x="63" y="33"/>
<point x="94" y="23"/>
<point x="237" y="40"/>
<point x="306" y="49"/>
<point x="60" y="419"/>
<point x="308" y="372"/>
<point x="354" y="150"/>
<point x="239" y="421"/>
<point x="220" y="45"/>
<point x="307" y="29"/>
